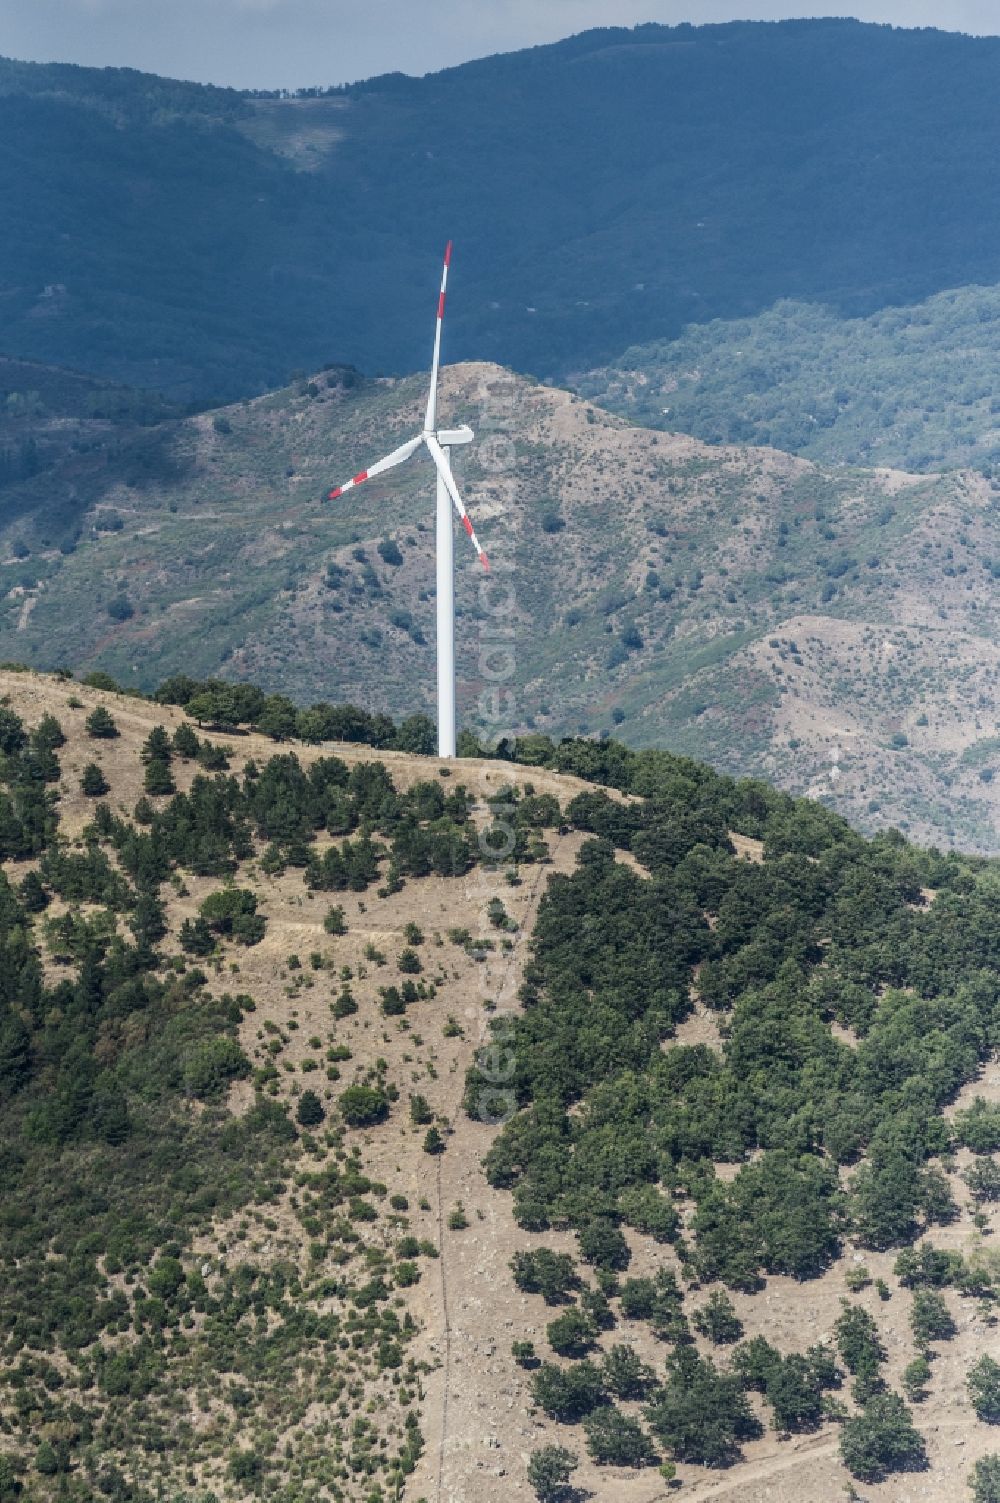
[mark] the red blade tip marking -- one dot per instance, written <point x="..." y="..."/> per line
<point x="486" y="562"/>
<point x="467" y="525"/>
<point x="441" y="306"/>
<point x="337" y="491"/>
<point x="447" y="254"/>
<point x="363" y="476"/>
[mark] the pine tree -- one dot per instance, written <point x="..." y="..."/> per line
<point x="100" y="723"/>
<point x="93" y="783"/>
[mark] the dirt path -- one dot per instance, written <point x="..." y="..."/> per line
<point x="511" y="971"/>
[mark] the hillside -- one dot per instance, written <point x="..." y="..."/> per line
<point x="911" y="387"/>
<point x="259" y="1238"/>
<point x="613" y="187"/>
<point x="831" y="630"/>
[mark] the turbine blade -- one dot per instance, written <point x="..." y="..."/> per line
<point x="431" y="418"/>
<point x="396" y="457"/>
<point x="444" y="470"/>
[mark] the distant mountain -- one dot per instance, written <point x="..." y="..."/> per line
<point x="912" y="386"/>
<point x="834" y="630"/>
<point x="612" y="188"/>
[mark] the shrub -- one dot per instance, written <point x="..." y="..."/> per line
<point x="433" y="1141"/>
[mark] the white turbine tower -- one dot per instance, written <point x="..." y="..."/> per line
<point x="439" y="442"/>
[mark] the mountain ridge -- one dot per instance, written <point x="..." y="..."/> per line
<point x="210" y="269"/>
<point x="745" y="606"/>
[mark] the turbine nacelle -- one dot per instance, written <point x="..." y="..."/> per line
<point x="449" y="437"/>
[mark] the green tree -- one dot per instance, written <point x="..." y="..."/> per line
<point x="978" y="1127"/>
<point x="48" y="734"/>
<point x="930" y="1318"/>
<point x="212" y="1064"/>
<point x="157" y="780"/>
<point x="46" y="1460"/>
<point x="420" y="1110"/>
<point x="701" y="1415"/>
<point x="157" y="746"/>
<point x="549" y="1471"/>
<point x="603" y="1244"/>
<point x="417" y="735"/>
<point x="983" y="1180"/>
<point x="571" y="1334"/>
<point x="13" y="736"/>
<point x="196" y="937"/>
<point x="277" y="718"/>
<point x="615" y="1439"/>
<point x="9" y="1484"/>
<point x="232" y="911"/>
<point x="334" y="921"/>
<point x="309" y="1112"/>
<point x="567" y="1393"/>
<point x="219" y="706"/>
<point x="93" y="782"/>
<point x="541" y="1271"/>
<point x="983" y="1383"/>
<point x="363" y="1106"/>
<point x="185" y="742"/>
<point x="858" y="1342"/>
<point x="100" y="724"/>
<point x="718" y="1319"/>
<point x="881" y="1440"/>
<point x="984" y="1479"/>
<point x="33" y="894"/>
<point x="795" y="1395"/>
<point x="625" y="1374"/>
<point x="433" y="1141"/>
<point x="916" y="1376"/>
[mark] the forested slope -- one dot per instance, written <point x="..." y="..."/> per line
<point x="610" y="188"/>
<point x="739" y="1084"/>
<point x="909" y="386"/>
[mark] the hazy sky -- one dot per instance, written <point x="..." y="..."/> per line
<point x="287" y="43"/>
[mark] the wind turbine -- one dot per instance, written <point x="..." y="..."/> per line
<point x="439" y="443"/>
